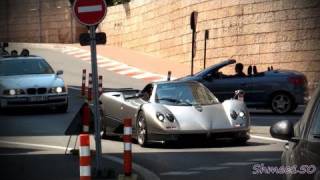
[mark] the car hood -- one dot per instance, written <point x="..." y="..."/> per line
<point x="29" y="81"/>
<point x="200" y="118"/>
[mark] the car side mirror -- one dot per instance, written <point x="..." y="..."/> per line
<point x="59" y="72"/>
<point x="283" y="130"/>
<point x="208" y="77"/>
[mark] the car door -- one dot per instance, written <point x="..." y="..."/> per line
<point x="305" y="152"/>
<point x="224" y="87"/>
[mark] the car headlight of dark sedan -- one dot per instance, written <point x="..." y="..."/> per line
<point x="58" y="90"/>
<point x="160" y="116"/>
<point x="13" y="92"/>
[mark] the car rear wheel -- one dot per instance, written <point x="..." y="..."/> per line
<point x="141" y="127"/>
<point x="282" y="103"/>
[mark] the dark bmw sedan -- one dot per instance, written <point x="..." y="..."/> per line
<point x="302" y="152"/>
<point x="280" y="90"/>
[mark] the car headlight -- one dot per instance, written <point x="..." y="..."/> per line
<point x="234" y="115"/>
<point x="242" y="114"/>
<point x="160" y="116"/>
<point x="58" y="90"/>
<point x="13" y="92"/>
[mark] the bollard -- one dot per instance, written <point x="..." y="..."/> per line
<point x="100" y="86"/>
<point x="83" y="87"/>
<point x="90" y="88"/>
<point x="239" y="94"/>
<point x="169" y="76"/>
<point x="127" y="155"/>
<point x="85" y="159"/>
<point x="85" y="118"/>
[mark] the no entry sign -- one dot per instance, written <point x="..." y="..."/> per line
<point x="89" y="12"/>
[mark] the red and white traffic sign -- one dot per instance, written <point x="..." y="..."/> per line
<point x="89" y="12"/>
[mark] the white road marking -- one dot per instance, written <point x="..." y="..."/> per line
<point x="86" y="58"/>
<point x="68" y="49"/>
<point x="82" y="55"/>
<point x="147" y="174"/>
<point x="86" y="9"/>
<point x="76" y="52"/>
<point x="123" y="66"/>
<point x="128" y="71"/>
<point x="143" y="75"/>
<point x="179" y="173"/>
<point x="214" y="168"/>
<point x="236" y="163"/>
<point x="267" y="138"/>
<point x="35" y="145"/>
<point x="109" y="64"/>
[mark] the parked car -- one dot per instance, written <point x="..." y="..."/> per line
<point x="166" y="111"/>
<point x="303" y="147"/>
<point x="280" y="90"/>
<point x="29" y="82"/>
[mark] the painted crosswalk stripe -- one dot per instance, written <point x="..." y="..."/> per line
<point x="82" y="55"/>
<point x="123" y="66"/>
<point x="128" y="71"/>
<point x="144" y="75"/>
<point x="109" y="64"/>
<point x="76" y="52"/>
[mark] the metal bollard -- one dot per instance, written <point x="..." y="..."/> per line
<point x="127" y="155"/>
<point x="85" y="159"/>
<point x="100" y="86"/>
<point x="90" y="88"/>
<point x="85" y="118"/>
<point x="83" y="87"/>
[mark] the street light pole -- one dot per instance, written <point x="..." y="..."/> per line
<point x="193" y="24"/>
<point x="206" y="37"/>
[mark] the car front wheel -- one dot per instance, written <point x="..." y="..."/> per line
<point x="142" y="135"/>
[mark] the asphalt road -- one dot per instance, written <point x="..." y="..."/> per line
<point x="22" y="131"/>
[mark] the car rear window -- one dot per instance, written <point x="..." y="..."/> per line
<point x="24" y="67"/>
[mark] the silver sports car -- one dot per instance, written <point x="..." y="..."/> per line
<point x="165" y="111"/>
<point x="30" y="81"/>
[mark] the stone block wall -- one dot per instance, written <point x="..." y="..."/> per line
<point x="280" y="33"/>
<point x="38" y="21"/>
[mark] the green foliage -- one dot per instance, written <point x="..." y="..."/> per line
<point x="116" y="2"/>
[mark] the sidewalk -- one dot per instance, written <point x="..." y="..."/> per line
<point x="142" y="61"/>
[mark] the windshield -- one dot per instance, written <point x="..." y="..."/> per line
<point x="184" y="94"/>
<point x="24" y="66"/>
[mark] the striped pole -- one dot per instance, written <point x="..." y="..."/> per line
<point x="85" y="118"/>
<point x="90" y="88"/>
<point x="85" y="159"/>
<point x="83" y="87"/>
<point x="127" y="155"/>
<point x="100" y="86"/>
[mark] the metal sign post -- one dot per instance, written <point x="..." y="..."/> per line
<point x="91" y="13"/>
<point x="95" y="97"/>
<point x="193" y="24"/>
<point x="206" y="37"/>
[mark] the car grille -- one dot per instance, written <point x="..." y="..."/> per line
<point x="32" y="91"/>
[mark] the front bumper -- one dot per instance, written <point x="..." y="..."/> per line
<point x="218" y="133"/>
<point x="34" y="100"/>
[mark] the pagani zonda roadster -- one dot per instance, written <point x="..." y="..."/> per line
<point x="165" y="111"/>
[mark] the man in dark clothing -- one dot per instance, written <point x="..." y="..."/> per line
<point x="239" y="70"/>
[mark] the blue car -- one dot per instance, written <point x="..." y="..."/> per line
<point x="280" y="90"/>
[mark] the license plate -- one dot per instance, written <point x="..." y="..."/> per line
<point x="38" y="98"/>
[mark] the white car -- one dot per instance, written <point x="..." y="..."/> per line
<point x="31" y="82"/>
